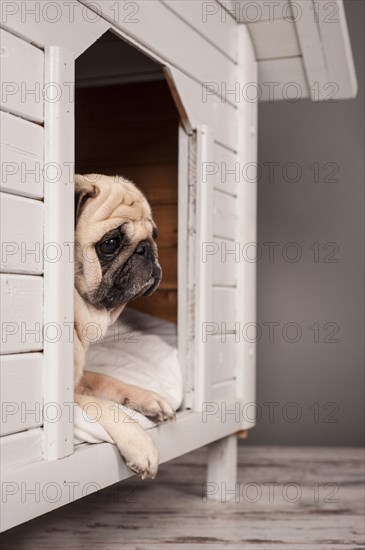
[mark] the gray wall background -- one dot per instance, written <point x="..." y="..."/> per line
<point x="323" y="380"/>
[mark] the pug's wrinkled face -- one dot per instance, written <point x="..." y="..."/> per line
<point x="115" y="250"/>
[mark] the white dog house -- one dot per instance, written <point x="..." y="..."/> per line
<point x="216" y="59"/>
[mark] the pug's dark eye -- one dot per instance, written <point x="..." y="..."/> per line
<point x="109" y="246"/>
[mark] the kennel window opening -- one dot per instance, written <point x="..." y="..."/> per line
<point x="127" y="124"/>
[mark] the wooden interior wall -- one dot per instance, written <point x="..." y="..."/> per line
<point x="132" y="130"/>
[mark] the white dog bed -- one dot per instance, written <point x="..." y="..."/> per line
<point x="141" y="350"/>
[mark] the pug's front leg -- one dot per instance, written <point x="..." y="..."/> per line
<point x="134" y="443"/>
<point x="148" y="403"/>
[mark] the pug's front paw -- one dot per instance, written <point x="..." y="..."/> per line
<point x="155" y="407"/>
<point x="142" y="455"/>
<point x="149" y="403"/>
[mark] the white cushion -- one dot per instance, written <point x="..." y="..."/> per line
<point x="141" y="350"/>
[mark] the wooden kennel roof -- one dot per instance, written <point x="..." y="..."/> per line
<point x="312" y="47"/>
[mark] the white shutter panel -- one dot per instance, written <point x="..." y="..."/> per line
<point x="203" y="273"/>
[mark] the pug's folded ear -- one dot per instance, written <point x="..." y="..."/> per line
<point x="86" y="187"/>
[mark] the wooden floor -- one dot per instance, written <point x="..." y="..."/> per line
<point x="289" y="498"/>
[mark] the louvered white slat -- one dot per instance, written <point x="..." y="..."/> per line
<point x="282" y="79"/>
<point x="225" y="216"/>
<point x="199" y="106"/>
<point x="248" y="11"/>
<point x="223" y="357"/>
<point x="21" y="313"/>
<point x="21" y="448"/>
<point x="22" y="235"/>
<point x="209" y="21"/>
<point x="21" y="153"/>
<point x="273" y="39"/>
<point x="21" y="392"/>
<point x="22" y="77"/>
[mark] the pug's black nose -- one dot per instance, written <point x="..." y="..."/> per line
<point x="142" y="248"/>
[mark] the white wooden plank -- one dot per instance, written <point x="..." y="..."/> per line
<point x="175" y="42"/>
<point x="21" y="234"/>
<point x="21" y="392"/>
<point x="191" y="281"/>
<point x="223" y="258"/>
<point x="225" y="215"/>
<point x="222" y="469"/>
<point x="22" y="313"/>
<point x="183" y="280"/>
<point x="59" y="276"/>
<point x="199" y="106"/>
<point x="20" y="448"/>
<point x="66" y="24"/>
<point x="225" y="172"/>
<point x="272" y="39"/>
<point x="72" y="477"/>
<point x="248" y="11"/>
<point x="224" y="391"/>
<point x="203" y="275"/>
<point x="282" y="79"/>
<point x="326" y="49"/>
<point x="21" y="153"/>
<point x="314" y="60"/>
<point x="22" y="81"/>
<point x="224" y="314"/>
<point x="337" y="47"/>
<point x="223" y="356"/>
<point x="207" y="19"/>
<point x="247" y="200"/>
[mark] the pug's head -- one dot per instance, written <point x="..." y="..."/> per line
<point x="116" y="256"/>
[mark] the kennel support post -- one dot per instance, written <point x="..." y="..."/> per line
<point x="58" y="253"/>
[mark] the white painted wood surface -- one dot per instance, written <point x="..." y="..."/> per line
<point x="21" y="150"/>
<point x="247" y="147"/>
<point x="47" y="25"/>
<point x="224" y="171"/>
<point x="328" y="60"/>
<point x="223" y="257"/>
<point x="59" y="275"/>
<point x="203" y="275"/>
<point x="222" y="469"/>
<point x="225" y="215"/>
<point x="21" y="392"/>
<point x="314" y="60"/>
<point x="205" y="17"/>
<point x="274" y="39"/>
<point x="200" y="105"/>
<point x="222" y="393"/>
<point x="21" y="448"/>
<point x="187" y="312"/>
<point x="282" y="79"/>
<point x="21" y="313"/>
<point x="248" y="11"/>
<point x="22" y="77"/>
<point x="225" y="308"/>
<point x="21" y="234"/>
<point x="67" y="24"/>
<point x="182" y="267"/>
<point x="339" y="58"/>
<point x="321" y="55"/>
<point x="223" y="357"/>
